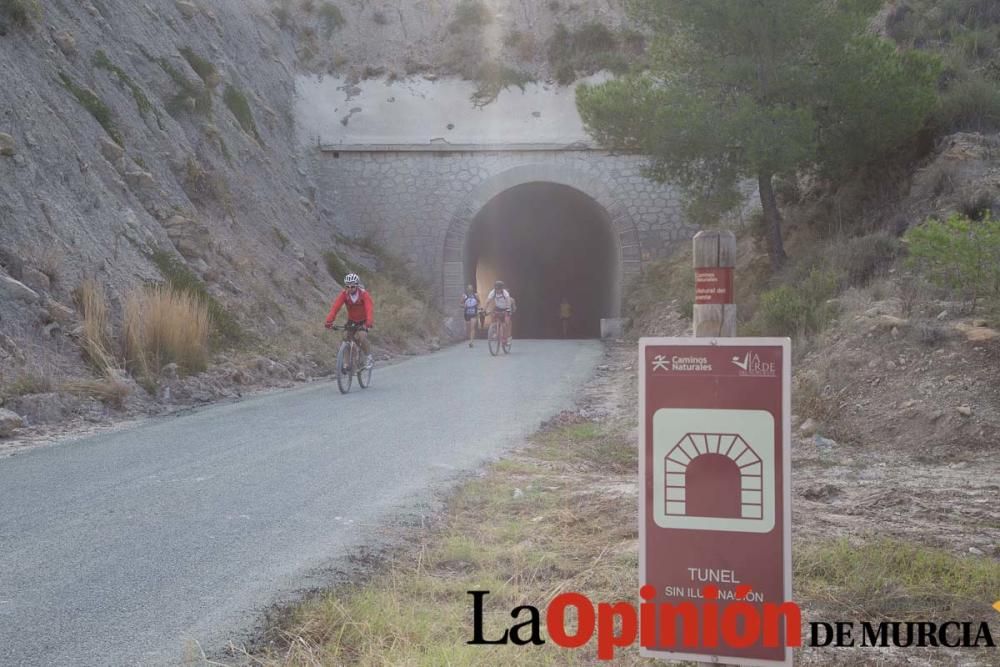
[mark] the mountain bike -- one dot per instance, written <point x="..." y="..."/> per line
<point x="350" y="361"/>
<point x="496" y="341"/>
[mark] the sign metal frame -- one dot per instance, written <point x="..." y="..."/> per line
<point x="723" y="656"/>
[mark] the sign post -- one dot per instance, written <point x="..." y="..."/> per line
<point x="714" y="303"/>
<point x="715" y="494"/>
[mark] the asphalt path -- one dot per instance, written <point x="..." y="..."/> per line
<point x="124" y="547"/>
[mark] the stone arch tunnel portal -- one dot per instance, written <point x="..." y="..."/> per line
<point x="547" y="241"/>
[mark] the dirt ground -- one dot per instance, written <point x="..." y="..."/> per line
<point x="912" y="407"/>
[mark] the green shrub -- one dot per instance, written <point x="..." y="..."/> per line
<point x="863" y="258"/>
<point x="27" y="383"/>
<point x="959" y="254"/>
<point x="280" y="237"/>
<point x="591" y="48"/>
<point x="101" y="61"/>
<point x="205" y="186"/>
<point x="565" y="74"/>
<point x="977" y="45"/>
<point x="93" y="104"/>
<point x="970" y="103"/>
<point x="199" y="98"/>
<point x="513" y="38"/>
<point x="21" y="13"/>
<point x="616" y="63"/>
<point x="335" y="265"/>
<point x="237" y="103"/>
<point x="332" y="17"/>
<point x="283" y="15"/>
<point x="201" y="67"/>
<point x="925" y="23"/>
<point x="799" y="310"/>
<point x="685" y="309"/>
<point x="494" y="77"/>
<point x="225" y="328"/>
<point x="470" y="14"/>
<point x="594" y="37"/>
<point x="633" y="41"/>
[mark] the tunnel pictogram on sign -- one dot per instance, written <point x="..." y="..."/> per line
<point x="725" y="454"/>
<point x="716" y="469"/>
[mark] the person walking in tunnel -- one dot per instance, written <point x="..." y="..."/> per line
<point x="360" y="314"/>
<point x="565" y="312"/>
<point x="470" y="308"/>
<point x="502" y="306"/>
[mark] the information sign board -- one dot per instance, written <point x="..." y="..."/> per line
<point x="714" y="502"/>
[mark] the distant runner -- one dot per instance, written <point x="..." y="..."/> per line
<point x="565" y="312"/>
<point x="470" y="309"/>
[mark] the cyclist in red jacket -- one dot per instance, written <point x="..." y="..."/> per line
<point x="360" y="313"/>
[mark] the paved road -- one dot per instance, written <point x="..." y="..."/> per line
<point x="117" y="549"/>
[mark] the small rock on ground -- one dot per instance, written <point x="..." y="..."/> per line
<point x="9" y="421"/>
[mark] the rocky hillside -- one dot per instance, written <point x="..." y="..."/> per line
<point x="144" y="128"/>
<point x="147" y="142"/>
<point x="512" y="40"/>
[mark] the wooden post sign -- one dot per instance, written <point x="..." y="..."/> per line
<point x="714" y="307"/>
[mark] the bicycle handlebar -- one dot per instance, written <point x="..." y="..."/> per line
<point x="345" y="327"/>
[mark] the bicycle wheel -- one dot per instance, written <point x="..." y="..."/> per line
<point x="494" y="340"/>
<point x="365" y="374"/>
<point x="344" y="374"/>
<point x="507" y="342"/>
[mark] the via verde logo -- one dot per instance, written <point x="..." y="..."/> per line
<point x="751" y="364"/>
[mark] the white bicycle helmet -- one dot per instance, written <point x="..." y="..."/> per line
<point x="351" y="279"/>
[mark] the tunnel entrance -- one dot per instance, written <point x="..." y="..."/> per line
<point x="546" y="241"/>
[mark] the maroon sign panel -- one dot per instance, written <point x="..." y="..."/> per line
<point x="714" y="505"/>
<point x="713" y="285"/>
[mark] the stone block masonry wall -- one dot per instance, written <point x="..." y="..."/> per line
<point x="420" y="204"/>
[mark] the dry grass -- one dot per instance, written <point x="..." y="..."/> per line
<point x="885" y="578"/>
<point x="27" y="382"/>
<point x="533" y="527"/>
<point x="164" y="325"/>
<point x="96" y="320"/>
<point x="401" y="314"/>
<point x="109" y="391"/>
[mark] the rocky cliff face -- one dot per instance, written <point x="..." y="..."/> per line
<point x="143" y="127"/>
<point x="143" y="138"/>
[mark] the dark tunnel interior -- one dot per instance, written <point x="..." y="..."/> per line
<point x="546" y="241"/>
